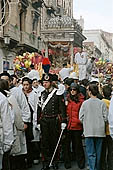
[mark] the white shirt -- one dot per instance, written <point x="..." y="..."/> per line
<point x="34" y="74"/>
<point x="64" y="72"/>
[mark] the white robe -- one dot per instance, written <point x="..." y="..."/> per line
<point x="6" y="126"/>
<point x="25" y="113"/>
<point x="81" y="60"/>
<point x="22" y="102"/>
<point x="110" y="117"/>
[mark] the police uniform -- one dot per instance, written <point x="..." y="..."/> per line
<point x="49" y="121"/>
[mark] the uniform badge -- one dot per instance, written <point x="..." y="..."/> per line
<point x="46" y="77"/>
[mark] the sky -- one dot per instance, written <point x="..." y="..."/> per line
<point x="97" y="14"/>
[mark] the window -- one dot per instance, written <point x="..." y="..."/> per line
<point x="5" y="65"/>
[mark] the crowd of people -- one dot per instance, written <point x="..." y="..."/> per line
<point x="34" y="112"/>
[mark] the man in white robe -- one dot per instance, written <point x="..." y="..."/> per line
<point x="26" y="117"/>
<point x="81" y="60"/>
<point x="6" y="129"/>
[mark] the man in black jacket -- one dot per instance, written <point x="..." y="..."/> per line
<point x="52" y="105"/>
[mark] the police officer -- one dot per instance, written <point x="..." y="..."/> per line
<point x="52" y="105"/>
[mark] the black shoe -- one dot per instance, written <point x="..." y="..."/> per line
<point x="29" y="165"/>
<point x="55" y="166"/>
<point x="45" y="168"/>
<point x="81" y="166"/>
<point x="67" y="165"/>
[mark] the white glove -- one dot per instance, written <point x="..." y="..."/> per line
<point x="6" y="148"/>
<point x="63" y="126"/>
<point x="38" y="127"/>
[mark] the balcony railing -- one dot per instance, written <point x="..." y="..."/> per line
<point x="13" y="32"/>
<point x="37" y="3"/>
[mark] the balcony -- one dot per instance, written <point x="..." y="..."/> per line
<point x="14" y="32"/>
<point x="30" y="40"/>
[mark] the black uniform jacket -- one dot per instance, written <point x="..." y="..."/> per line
<point x="54" y="107"/>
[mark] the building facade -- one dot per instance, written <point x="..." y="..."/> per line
<point x="20" y="24"/>
<point x="59" y="30"/>
<point x="26" y="25"/>
<point x="102" y="40"/>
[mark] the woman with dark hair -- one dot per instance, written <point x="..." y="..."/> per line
<point x="74" y="128"/>
<point x="4" y="86"/>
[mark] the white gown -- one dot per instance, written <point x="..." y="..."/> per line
<point x="6" y="126"/>
<point x="81" y="60"/>
<point x="25" y="113"/>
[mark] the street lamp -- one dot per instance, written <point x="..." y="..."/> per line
<point x="6" y="39"/>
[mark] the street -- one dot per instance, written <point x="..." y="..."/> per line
<point x="61" y="167"/>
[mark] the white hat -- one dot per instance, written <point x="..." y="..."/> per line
<point x="61" y="89"/>
<point x="94" y="79"/>
<point x="73" y="76"/>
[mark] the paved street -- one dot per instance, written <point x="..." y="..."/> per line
<point x="61" y="167"/>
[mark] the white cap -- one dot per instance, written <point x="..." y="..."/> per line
<point x="94" y="79"/>
<point x="73" y="76"/>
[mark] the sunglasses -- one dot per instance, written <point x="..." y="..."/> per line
<point x="73" y="89"/>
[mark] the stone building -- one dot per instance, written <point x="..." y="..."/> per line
<point x="102" y="40"/>
<point x="19" y="29"/>
<point x="26" y="25"/>
<point x="99" y="41"/>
